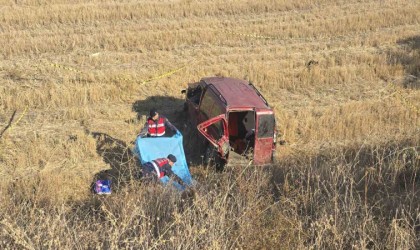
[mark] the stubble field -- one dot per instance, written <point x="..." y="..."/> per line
<point x="78" y="79"/>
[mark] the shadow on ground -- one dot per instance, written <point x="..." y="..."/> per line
<point x="173" y="109"/>
<point x="408" y="55"/>
<point x="124" y="165"/>
<point x="168" y="106"/>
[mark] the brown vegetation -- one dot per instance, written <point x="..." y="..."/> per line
<point x="342" y="76"/>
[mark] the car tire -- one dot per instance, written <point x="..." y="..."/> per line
<point x="212" y="159"/>
<point x="209" y="156"/>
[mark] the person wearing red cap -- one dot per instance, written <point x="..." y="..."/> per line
<point x="157" y="125"/>
<point x="160" y="168"/>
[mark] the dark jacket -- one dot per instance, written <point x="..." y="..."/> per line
<point x="165" y="169"/>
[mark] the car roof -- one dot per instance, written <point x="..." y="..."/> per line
<point x="237" y="93"/>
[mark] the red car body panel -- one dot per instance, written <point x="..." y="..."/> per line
<point x="237" y="93"/>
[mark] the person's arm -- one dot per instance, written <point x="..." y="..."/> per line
<point x="168" y="172"/>
<point x="143" y="132"/>
<point x="168" y="124"/>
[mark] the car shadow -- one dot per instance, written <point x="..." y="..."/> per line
<point x="408" y="55"/>
<point x="173" y="109"/>
<point x="168" y="106"/>
<point x="124" y="165"/>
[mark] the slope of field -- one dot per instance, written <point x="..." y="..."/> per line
<point x="79" y="77"/>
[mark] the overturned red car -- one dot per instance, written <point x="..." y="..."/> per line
<point x="234" y="118"/>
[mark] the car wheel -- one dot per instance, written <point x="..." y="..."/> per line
<point x="212" y="159"/>
<point x="209" y="156"/>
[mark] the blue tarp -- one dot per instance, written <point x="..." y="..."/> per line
<point x="150" y="148"/>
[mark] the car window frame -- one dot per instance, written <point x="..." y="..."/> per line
<point x="211" y="111"/>
<point x="265" y="132"/>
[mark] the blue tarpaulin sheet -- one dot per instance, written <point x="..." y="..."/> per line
<point x="150" y="148"/>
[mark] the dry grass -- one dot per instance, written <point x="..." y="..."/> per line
<point x="347" y="178"/>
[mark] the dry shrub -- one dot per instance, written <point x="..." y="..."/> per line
<point x="351" y="198"/>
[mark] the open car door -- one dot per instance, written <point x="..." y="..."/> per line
<point x="216" y="132"/>
<point x="264" y="142"/>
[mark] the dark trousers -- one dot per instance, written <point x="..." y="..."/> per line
<point x="149" y="173"/>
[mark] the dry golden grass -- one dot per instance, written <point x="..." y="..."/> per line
<point x="342" y="76"/>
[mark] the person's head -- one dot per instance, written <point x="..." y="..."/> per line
<point x="171" y="159"/>
<point x="154" y="114"/>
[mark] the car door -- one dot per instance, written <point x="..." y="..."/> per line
<point x="216" y="132"/>
<point x="264" y="141"/>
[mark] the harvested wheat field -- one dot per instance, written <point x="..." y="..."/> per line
<point x="77" y="80"/>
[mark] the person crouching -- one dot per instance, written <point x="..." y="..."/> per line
<point x="159" y="168"/>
